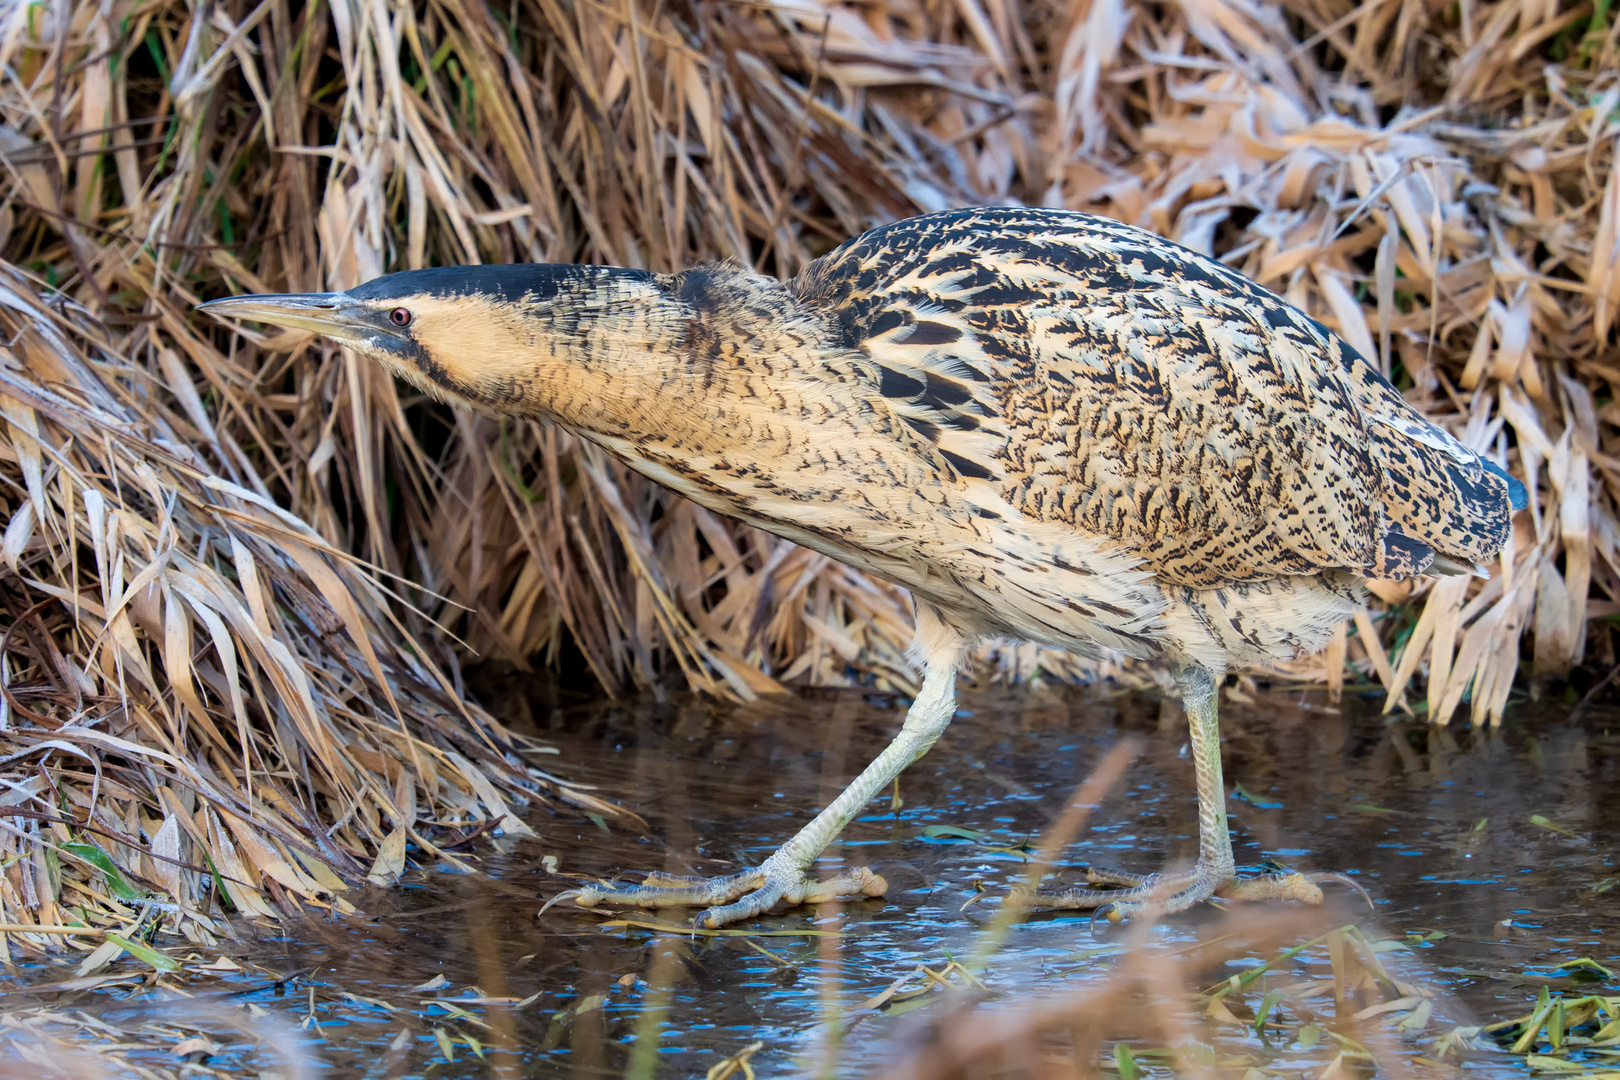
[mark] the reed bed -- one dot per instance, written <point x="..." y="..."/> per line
<point x="241" y="572"/>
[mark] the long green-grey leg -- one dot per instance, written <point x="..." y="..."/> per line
<point x="782" y="876"/>
<point x="1201" y="700"/>
<point x="1216" y="871"/>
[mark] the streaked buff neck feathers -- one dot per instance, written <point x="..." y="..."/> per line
<point x="609" y="354"/>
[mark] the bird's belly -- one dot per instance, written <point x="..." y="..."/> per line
<point x="844" y="517"/>
<point x="994" y="571"/>
<point x="1260" y="622"/>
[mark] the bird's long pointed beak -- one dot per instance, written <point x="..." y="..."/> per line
<point x="333" y="315"/>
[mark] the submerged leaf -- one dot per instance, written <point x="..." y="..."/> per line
<point x="1537" y="819"/>
<point x="1543" y="1063"/>
<point x="1585" y="966"/>
<point x="1243" y="793"/>
<point x="98" y="857"/>
<point x="145" y="953"/>
<point x="956" y="832"/>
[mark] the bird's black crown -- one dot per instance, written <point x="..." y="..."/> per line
<point x="510" y="283"/>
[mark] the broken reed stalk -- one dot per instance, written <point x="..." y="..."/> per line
<point x="240" y="571"/>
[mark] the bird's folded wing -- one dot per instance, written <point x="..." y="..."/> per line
<point x="1098" y="377"/>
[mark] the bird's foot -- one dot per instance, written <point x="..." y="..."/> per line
<point x="731" y="898"/>
<point x="1133" y="895"/>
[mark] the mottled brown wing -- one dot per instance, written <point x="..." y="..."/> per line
<point x="1104" y="378"/>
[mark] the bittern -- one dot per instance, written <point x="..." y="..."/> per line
<point x="1046" y="425"/>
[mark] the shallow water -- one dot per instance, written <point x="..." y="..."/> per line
<point x="1506" y="841"/>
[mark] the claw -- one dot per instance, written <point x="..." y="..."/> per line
<point x="1113" y="913"/>
<point x="1343" y="879"/>
<point x="566" y="894"/>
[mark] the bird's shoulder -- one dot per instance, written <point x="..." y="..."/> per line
<point x="1107" y="379"/>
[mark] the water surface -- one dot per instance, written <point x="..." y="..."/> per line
<point x="1492" y="857"/>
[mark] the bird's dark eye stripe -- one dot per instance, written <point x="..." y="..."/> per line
<point x="400" y="317"/>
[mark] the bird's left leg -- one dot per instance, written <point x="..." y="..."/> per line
<point x="782" y="877"/>
<point x="1216" y="871"/>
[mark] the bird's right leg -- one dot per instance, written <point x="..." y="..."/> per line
<point x="782" y="877"/>
<point x="1215" y="873"/>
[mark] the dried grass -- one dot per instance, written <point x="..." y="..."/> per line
<point x="241" y="573"/>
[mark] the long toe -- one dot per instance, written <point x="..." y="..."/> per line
<point x="728" y="899"/>
<point x="747" y="906"/>
<point x="857" y="882"/>
<point x="1300" y="888"/>
<point x="1205" y="885"/>
<point x="1122" y="879"/>
<point x="793" y="888"/>
<point x="671" y="890"/>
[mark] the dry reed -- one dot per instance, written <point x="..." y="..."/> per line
<point x="240" y="572"/>
<point x="1180" y="1012"/>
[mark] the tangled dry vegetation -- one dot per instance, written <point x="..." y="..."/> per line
<point x="240" y="573"/>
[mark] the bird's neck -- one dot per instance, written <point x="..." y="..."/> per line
<point x="654" y="357"/>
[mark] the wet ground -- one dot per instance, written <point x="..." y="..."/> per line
<point x="1493" y="858"/>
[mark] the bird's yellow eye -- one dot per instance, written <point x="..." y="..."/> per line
<point x="400" y="317"/>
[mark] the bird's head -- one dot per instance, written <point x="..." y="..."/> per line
<point x="518" y="339"/>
